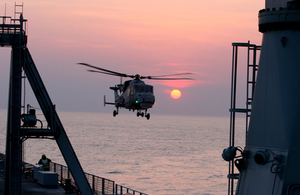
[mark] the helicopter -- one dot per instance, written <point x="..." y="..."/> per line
<point x="133" y="94"/>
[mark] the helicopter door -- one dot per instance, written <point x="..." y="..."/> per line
<point x="129" y="96"/>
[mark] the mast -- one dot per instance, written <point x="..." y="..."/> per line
<point x="272" y="152"/>
<point x="14" y="35"/>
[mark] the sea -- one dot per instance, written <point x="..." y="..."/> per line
<point x="165" y="155"/>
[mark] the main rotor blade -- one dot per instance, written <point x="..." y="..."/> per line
<point x="160" y="77"/>
<point x="169" y="75"/>
<point x="109" y="71"/>
<point x="168" y="78"/>
<point x="113" y="73"/>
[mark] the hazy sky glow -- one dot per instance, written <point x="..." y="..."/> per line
<point x="146" y="37"/>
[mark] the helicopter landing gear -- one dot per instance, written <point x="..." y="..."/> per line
<point x="115" y="113"/>
<point x="140" y="114"/>
<point x="147" y="116"/>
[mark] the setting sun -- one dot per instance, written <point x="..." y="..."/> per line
<point x="175" y="94"/>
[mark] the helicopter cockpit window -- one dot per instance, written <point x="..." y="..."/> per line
<point x="139" y="88"/>
<point x="143" y="88"/>
<point x="148" y="88"/>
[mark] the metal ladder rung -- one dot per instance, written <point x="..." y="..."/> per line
<point x="241" y="110"/>
<point x="18" y="10"/>
<point x="233" y="176"/>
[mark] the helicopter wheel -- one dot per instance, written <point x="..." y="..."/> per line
<point x="142" y="114"/>
<point x="115" y="113"/>
<point x="147" y="116"/>
<point x="138" y="114"/>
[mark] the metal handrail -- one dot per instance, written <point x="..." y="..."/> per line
<point x="98" y="184"/>
<point x="252" y="67"/>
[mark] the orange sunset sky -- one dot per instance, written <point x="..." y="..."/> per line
<point x="135" y="36"/>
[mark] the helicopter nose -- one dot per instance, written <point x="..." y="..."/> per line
<point x="146" y="98"/>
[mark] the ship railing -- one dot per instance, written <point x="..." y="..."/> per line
<point x="13" y="26"/>
<point x="98" y="184"/>
<point x="119" y="189"/>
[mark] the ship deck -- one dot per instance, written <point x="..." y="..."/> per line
<point x="29" y="186"/>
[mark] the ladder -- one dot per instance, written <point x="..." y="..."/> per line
<point x="252" y="68"/>
<point x="18" y="10"/>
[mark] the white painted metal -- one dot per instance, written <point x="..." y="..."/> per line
<point x="48" y="178"/>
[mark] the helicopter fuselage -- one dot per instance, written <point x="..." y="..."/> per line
<point x="133" y="95"/>
<point x="138" y="96"/>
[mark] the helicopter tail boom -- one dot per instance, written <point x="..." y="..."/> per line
<point x="110" y="103"/>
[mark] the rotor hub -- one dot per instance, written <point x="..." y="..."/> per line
<point x="137" y="77"/>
